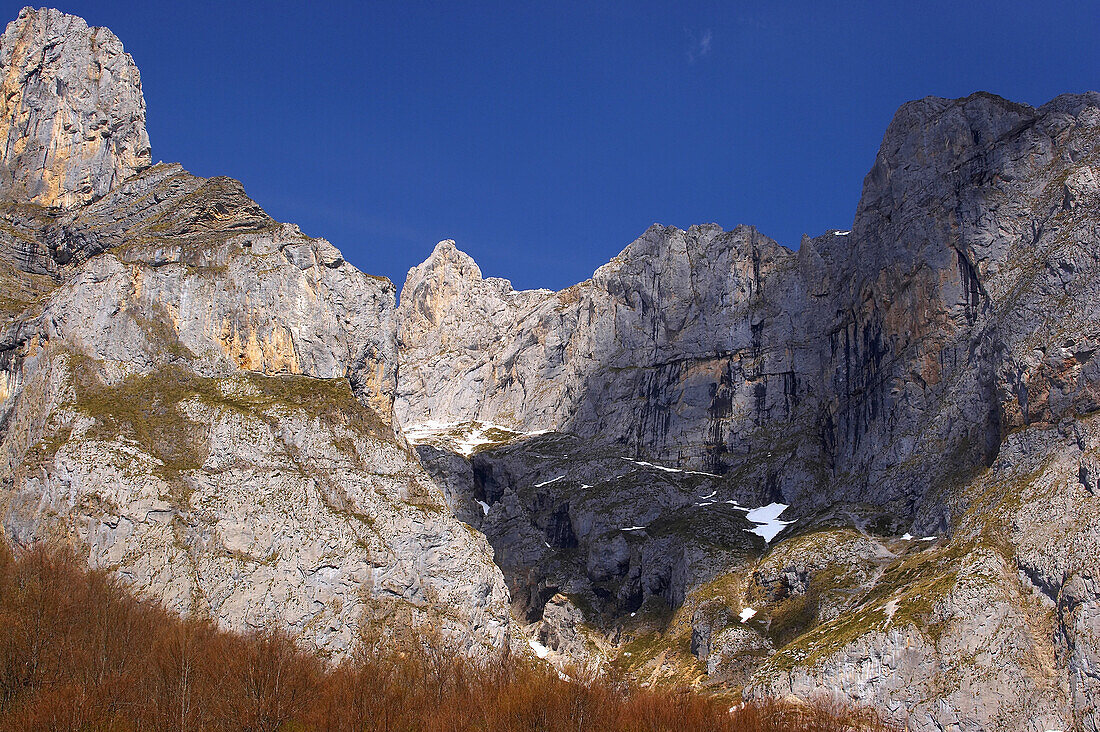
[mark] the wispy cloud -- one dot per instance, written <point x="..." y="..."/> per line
<point x="700" y="45"/>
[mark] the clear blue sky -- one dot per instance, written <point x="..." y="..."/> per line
<point x="545" y="137"/>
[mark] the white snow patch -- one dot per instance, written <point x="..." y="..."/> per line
<point x="632" y="528"/>
<point x="890" y="608"/>
<point x="540" y="650"/>
<point x="766" y="514"/>
<point x="906" y="537"/>
<point x="645" y="464"/>
<point x="928" y="538"/>
<point x="769" y="531"/>
<point x="418" y="433"/>
<point x="460" y="437"/>
<point x="843" y="233"/>
<point x="484" y="507"/>
<point x="712" y="495"/>
<point x="548" y="482"/>
<point x="767" y="520"/>
<point x="747" y="614"/>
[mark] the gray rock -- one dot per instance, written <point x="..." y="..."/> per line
<point x="730" y="649"/>
<point x="211" y="404"/>
<point x="72" y="117"/>
<point x="264" y="481"/>
<point x="562" y="632"/>
<point x="198" y="397"/>
<point x="931" y="371"/>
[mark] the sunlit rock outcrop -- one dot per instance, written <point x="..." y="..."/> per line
<point x="200" y="398"/>
<point x="72" y="116"/>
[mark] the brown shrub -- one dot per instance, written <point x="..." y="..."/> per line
<point x="79" y="653"/>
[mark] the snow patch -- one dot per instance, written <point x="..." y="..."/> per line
<point x="461" y="437"/>
<point x="645" y="464"/>
<point x="632" y="528"/>
<point x="747" y="614"/>
<point x="767" y="520"/>
<point x="484" y="507"/>
<point x="540" y="650"/>
<point x="766" y="514"/>
<point x="548" y="482"/>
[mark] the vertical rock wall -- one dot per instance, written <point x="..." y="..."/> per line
<point x="72" y="116"/>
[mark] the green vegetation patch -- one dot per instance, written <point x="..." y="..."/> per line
<point x="783" y="619"/>
<point x="718" y="525"/>
<point x="146" y="408"/>
<point x="655" y="643"/>
<point x="914" y="583"/>
<point x="20" y="290"/>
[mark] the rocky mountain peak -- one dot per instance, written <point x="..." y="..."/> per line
<point x="447" y="257"/>
<point x="933" y="136"/>
<point x="867" y="469"/>
<point x="224" y="384"/>
<point x="72" y="115"/>
<point x="931" y="372"/>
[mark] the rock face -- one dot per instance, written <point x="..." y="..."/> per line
<point x="931" y="371"/>
<point x="72" y="118"/>
<point x="566" y="518"/>
<point x="692" y="347"/>
<point x="634" y="355"/>
<point x="868" y="469"/>
<point x="198" y="397"/>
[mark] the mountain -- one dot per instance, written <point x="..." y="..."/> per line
<point x="865" y="469"/>
<point x="929" y="372"/>
<point x="194" y="395"/>
<point x="74" y="116"/>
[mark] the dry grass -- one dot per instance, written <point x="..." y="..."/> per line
<point x="78" y="653"/>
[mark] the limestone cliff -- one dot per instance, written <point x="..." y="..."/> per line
<point x="198" y="397"/>
<point x="866" y="468"/>
<point x="72" y="116"/>
<point x="931" y="371"/>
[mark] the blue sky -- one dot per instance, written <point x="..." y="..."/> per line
<point x="545" y="137"/>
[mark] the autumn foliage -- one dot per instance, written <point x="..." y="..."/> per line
<point x="77" y="652"/>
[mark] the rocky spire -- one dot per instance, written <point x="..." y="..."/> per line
<point x="72" y="116"/>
